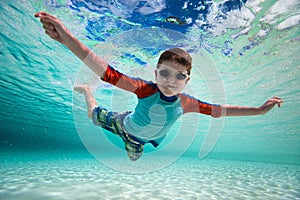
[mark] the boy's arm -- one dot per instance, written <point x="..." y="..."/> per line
<point x="57" y="31"/>
<point x="228" y="110"/>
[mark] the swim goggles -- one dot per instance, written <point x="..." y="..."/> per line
<point x="166" y="74"/>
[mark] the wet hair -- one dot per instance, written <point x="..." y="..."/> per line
<point x="179" y="56"/>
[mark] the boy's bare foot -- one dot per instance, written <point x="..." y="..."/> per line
<point x="89" y="98"/>
<point x="83" y="89"/>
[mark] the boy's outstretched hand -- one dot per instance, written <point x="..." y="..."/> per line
<point x="268" y="105"/>
<point x="57" y="31"/>
<point x="53" y="27"/>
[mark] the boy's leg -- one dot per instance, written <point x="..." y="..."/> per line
<point x="89" y="97"/>
<point x="110" y="121"/>
<point x="134" y="150"/>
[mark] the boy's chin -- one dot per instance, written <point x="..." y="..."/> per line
<point x="168" y="93"/>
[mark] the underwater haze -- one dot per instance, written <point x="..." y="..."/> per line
<point x="244" y="52"/>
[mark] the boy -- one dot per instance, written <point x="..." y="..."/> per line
<point x="159" y="104"/>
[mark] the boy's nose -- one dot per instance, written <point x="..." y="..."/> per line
<point x="171" y="79"/>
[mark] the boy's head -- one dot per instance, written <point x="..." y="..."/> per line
<point x="173" y="70"/>
<point x="177" y="55"/>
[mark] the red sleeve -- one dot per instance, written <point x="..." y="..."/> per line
<point x="191" y="104"/>
<point x="138" y="86"/>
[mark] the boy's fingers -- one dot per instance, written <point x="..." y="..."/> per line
<point x="48" y="26"/>
<point x="52" y="34"/>
<point x="40" y="14"/>
<point x="43" y="14"/>
<point x="278" y="98"/>
<point x="47" y="18"/>
<point x="279" y="101"/>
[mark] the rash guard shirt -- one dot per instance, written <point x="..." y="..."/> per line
<point x="155" y="113"/>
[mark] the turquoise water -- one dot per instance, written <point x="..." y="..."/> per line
<point x="244" y="53"/>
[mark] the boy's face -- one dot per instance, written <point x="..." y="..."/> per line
<point x="171" y="78"/>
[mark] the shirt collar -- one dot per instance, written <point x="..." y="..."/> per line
<point x="168" y="99"/>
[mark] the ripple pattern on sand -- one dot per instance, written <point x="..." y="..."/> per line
<point x="188" y="178"/>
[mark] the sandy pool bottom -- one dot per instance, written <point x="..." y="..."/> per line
<point x="187" y="178"/>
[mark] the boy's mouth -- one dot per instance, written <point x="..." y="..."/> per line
<point x="170" y="87"/>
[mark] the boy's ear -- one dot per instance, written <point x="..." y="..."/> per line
<point x="187" y="80"/>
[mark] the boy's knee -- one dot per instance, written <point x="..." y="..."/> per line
<point x="90" y="112"/>
<point x="94" y="115"/>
